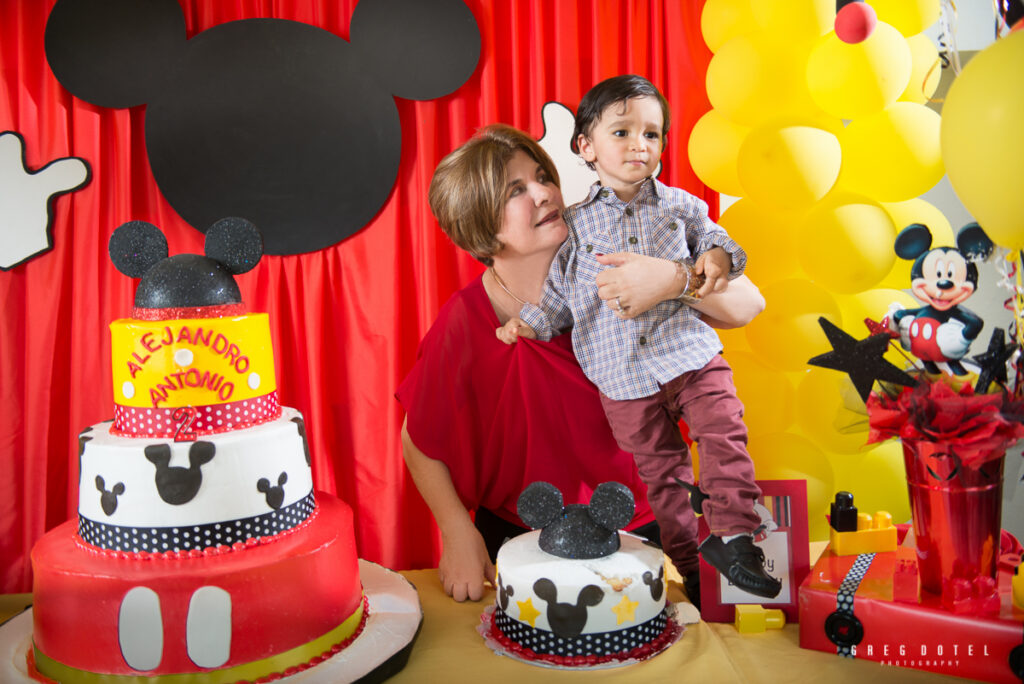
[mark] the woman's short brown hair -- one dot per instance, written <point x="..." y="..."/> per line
<point x="468" y="190"/>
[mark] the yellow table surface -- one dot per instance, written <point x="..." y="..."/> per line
<point x="450" y="650"/>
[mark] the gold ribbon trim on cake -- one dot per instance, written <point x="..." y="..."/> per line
<point x="300" y="656"/>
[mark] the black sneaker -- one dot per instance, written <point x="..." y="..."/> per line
<point x="742" y="563"/>
<point x="692" y="583"/>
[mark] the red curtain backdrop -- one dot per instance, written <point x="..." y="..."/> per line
<point x="345" y="320"/>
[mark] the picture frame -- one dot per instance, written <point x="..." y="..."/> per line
<point x="787" y="555"/>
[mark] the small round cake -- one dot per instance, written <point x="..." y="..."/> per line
<point x="588" y="611"/>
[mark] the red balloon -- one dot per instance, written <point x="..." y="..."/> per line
<point x="855" y="22"/>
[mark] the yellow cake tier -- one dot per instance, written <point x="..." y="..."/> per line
<point x="192" y="361"/>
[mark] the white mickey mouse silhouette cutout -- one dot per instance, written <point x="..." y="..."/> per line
<point x="26" y="199"/>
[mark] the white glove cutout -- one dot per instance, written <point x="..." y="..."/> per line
<point x="25" y="199"/>
<point x="951" y="340"/>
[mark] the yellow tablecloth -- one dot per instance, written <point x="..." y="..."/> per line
<point x="450" y="650"/>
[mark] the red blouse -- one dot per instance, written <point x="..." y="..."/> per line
<point x="502" y="416"/>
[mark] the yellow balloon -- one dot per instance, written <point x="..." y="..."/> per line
<point x="721" y="20"/>
<point x="768" y="237"/>
<point x="893" y="155"/>
<point x="788" y="167"/>
<point x="915" y="211"/>
<point x="907" y="16"/>
<point x="787" y="333"/>
<point x="733" y="339"/>
<point x="982" y="113"/>
<point x="877" y="479"/>
<point x="767" y="394"/>
<point x="787" y="456"/>
<point x="845" y="243"/>
<point x="798" y="21"/>
<point x="925" y="70"/>
<point x="854" y="80"/>
<point x="755" y="78"/>
<point x="713" y="148"/>
<point x="830" y="412"/>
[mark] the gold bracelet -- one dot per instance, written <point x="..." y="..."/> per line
<point x="692" y="282"/>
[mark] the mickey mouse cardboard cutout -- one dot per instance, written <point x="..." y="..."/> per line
<point x="278" y="121"/>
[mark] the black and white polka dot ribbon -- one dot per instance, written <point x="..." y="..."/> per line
<point x="842" y="627"/>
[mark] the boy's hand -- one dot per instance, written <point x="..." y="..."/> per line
<point x="714" y="265"/>
<point x="513" y="330"/>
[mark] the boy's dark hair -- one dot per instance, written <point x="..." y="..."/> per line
<point x="612" y="91"/>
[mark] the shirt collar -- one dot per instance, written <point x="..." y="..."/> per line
<point x="648" y="188"/>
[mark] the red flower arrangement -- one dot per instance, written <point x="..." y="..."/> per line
<point x="935" y="417"/>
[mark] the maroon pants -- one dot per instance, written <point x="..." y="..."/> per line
<point x="649" y="429"/>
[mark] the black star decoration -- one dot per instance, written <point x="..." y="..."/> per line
<point x="993" y="361"/>
<point x="860" y="359"/>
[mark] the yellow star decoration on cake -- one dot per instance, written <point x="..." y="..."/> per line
<point x="625" y="610"/>
<point x="527" y="613"/>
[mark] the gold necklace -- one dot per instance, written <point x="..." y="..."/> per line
<point x="501" y="284"/>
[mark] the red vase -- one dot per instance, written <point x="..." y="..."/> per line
<point x="957" y="513"/>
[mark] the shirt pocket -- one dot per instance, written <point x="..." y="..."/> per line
<point x="668" y="237"/>
<point x="586" y="266"/>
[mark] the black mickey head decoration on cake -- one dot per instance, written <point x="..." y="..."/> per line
<point x="175" y="484"/>
<point x="139" y="250"/>
<point x="83" y="437"/>
<point x="275" y="494"/>
<point x="301" y="426"/>
<point x="280" y="121"/>
<point x="504" y="593"/>
<point x="108" y="500"/>
<point x="577" y="530"/>
<point x="567" y="619"/>
<point x="655" y="584"/>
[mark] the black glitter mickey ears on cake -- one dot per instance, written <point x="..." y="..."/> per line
<point x="577" y="530"/>
<point x="139" y="250"/>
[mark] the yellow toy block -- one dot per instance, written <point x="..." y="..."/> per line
<point x="754" y="619"/>
<point x="1017" y="584"/>
<point x="875" y="534"/>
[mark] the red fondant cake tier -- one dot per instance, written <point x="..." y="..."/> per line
<point x="135" y="615"/>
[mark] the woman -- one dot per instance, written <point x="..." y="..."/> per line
<point x="485" y="419"/>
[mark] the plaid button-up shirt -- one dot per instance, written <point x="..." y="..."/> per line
<point x="633" y="358"/>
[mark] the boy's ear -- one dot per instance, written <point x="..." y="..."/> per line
<point x="585" y="147"/>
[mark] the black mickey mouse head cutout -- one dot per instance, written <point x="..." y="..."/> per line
<point x="279" y="121"/>
<point x="139" y="250"/>
<point x="577" y="530"/>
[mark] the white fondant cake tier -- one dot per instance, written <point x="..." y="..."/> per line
<point x="571" y="597"/>
<point x="217" y="490"/>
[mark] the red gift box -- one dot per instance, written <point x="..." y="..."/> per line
<point x="871" y="607"/>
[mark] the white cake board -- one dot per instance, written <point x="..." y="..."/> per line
<point x="380" y="651"/>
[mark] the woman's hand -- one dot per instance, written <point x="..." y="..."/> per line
<point x="735" y="307"/>
<point x="464" y="561"/>
<point x="464" y="564"/>
<point x="637" y="282"/>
